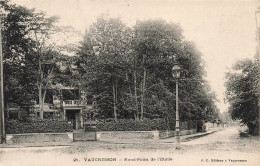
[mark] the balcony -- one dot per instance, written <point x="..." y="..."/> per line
<point x="71" y="103"/>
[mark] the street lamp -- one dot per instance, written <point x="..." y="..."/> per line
<point x="176" y="73"/>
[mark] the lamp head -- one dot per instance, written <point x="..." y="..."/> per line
<point x="176" y="71"/>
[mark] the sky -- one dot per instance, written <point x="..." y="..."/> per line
<point x="224" y="31"/>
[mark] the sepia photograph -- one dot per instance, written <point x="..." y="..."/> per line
<point x="129" y="82"/>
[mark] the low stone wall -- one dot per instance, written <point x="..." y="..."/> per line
<point x="100" y="136"/>
<point x="84" y="136"/>
<point x="123" y="135"/>
<point x="38" y="137"/>
<point x="171" y="133"/>
<point x="188" y="132"/>
<point x="135" y="135"/>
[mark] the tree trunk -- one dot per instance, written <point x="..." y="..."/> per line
<point x="132" y="97"/>
<point x="129" y="85"/>
<point x="115" y="101"/>
<point x="61" y="104"/>
<point x="42" y="93"/>
<point x="142" y="95"/>
<point x="40" y="101"/>
<point x="136" y="101"/>
<point x="39" y="83"/>
<point x="7" y="109"/>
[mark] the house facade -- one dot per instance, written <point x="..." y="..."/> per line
<point x="69" y="103"/>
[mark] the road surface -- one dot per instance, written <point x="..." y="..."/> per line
<point x="225" y="147"/>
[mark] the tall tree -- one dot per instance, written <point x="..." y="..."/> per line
<point x="155" y="43"/>
<point x="129" y="70"/>
<point x="102" y="60"/>
<point x="18" y="81"/>
<point x="43" y="53"/>
<point x="31" y="53"/>
<point x="242" y="93"/>
<point x="158" y="46"/>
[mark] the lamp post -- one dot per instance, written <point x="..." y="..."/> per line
<point x="176" y="72"/>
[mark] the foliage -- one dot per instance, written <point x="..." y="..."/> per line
<point x="127" y="71"/>
<point x="242" y="93"/>
<point x="18" y="82"/>
<point x="33" y="57"/>
<point x="133" y="79"/>
<point x="145" y="125"/>
<point x="40" y="126"/>
<point x="225" y="117"/>
<point x="131" y="125"/>
<point x="102" y="61"/>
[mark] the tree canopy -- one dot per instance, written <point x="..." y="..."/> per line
<point x="31" y="54"/>
<point x="128" y="71"/>
<point x="242" y="93"/>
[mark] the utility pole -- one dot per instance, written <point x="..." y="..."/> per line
<point x="2" y="115"/>
<point x="258" y="51"/>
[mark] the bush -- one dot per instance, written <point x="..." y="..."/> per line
<point x="201" y="127"/>
<point x="131" y="125"/>
<point x="38" y="126"/>
<point x="145" y="125"/>
<point x="189" y="125"/>
<point x="253" y="128"/>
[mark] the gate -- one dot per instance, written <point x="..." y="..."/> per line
<point x="90" y="131"/>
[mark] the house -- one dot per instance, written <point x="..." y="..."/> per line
<point x="70" y="103"/>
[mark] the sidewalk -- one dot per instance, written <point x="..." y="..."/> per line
<point x="170" y="140"/>
<point x="187" y="138"/>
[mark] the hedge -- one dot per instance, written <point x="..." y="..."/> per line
<point x="130" y="125"/>
<point x="56" y="126"/>
<point x="145" y="125"/>
<point x="40" y="126"/>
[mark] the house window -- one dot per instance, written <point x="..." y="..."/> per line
<point x="70" y="94"/>
<point x="13" y="115"/>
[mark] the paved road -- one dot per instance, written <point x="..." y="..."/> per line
<point x="221" y="148"/>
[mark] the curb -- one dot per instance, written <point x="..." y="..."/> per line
<point x="198" y="136"/>
<point x="186" y="138"/>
